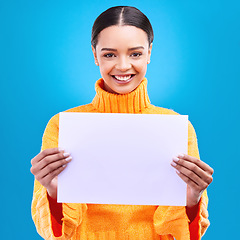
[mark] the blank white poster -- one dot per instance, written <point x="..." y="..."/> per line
<point x="122" y="158"/>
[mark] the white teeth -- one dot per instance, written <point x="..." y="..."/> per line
<point x="122" y="78"/>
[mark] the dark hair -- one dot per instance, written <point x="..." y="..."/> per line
<point x="120" y="16"/>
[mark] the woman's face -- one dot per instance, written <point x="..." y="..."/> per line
<point x="122" y="53"/>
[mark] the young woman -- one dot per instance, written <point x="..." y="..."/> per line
<point x="121" y="43"/>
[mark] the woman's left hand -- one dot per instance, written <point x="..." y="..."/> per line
<point x="195" y="173"/>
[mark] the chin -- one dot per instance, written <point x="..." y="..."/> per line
<point x="123" y="88"/>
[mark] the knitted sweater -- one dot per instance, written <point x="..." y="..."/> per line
<point x="112" y="222"/>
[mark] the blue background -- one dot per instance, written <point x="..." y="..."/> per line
<point x="46" y="66"/>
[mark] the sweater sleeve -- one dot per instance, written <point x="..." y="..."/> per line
<point x="174" y="220"/>
<point x="41" y="211"/>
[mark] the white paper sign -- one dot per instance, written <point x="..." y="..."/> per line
<point x="122" y="158"/>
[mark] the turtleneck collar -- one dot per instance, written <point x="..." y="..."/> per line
<point x="133" y="102"/>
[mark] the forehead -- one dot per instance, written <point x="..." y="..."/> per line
<point x="122" y="37"/>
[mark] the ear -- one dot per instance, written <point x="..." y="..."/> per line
<point x="95" y="56"/>
<point x="149" y="53"/>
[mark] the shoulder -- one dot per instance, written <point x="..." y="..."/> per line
<point x="160" y="110"/>
<point x="83" y="108"/>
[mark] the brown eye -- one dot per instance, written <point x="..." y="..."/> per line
<point x="109" y="55"/>
<point x="135" y="55"/>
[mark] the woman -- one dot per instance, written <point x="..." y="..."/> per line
<point x="121" y="43"/>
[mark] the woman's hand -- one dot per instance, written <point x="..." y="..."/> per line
<point x="47" y="165"/>
<point x="195" y="173"/>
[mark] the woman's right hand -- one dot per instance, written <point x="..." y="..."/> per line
<point x="47" y="165"/>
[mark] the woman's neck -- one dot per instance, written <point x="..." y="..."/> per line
<point x="133" y="102"/>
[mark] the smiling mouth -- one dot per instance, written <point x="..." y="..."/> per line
<point x="123" y="78"/>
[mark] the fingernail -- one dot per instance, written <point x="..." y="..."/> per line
<point x="60" y="149"/>
<point x="173" y="164"/>
<point x="175" y="159"/>
<point x="66" y="154"/>
<point x="181" y="155"/>
<point x="64" y="165"/>
<point x="177" y="172"/>
<point x="68" y="159"/>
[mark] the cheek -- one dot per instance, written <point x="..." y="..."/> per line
<point x="140" y="66"/>
<point x="105" y="68"/>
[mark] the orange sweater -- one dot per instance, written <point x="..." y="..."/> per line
<point x="111" y="222"/>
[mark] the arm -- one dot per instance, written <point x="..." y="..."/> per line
<point x="53" y="220"/>
<point x="198" y="176"/>
<point x="188" y="222"/>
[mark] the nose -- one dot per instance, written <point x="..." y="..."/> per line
<point x="123" y="64"/>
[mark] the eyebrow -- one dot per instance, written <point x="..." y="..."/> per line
<point x="115" y="50"/>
